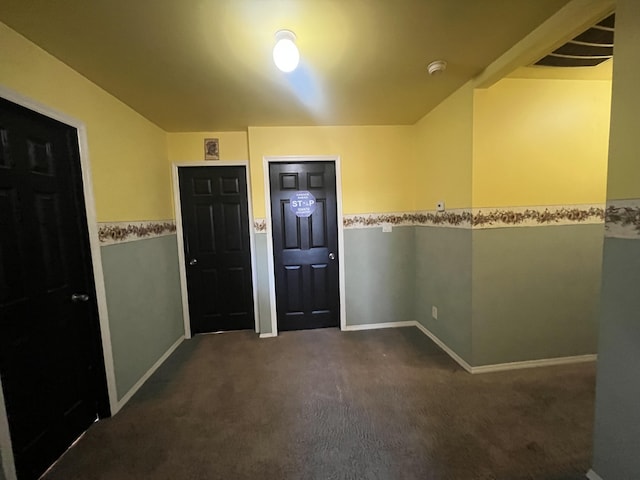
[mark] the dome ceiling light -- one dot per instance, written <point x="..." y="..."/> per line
<point x="285" y="52"/>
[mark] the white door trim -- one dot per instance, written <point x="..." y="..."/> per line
<point x="270" y="265"/>
<point x="180" y="237"/>
<point x="96" y="258"/>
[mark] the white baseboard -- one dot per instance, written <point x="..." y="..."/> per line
<point x="500" y="367"/>
<point x="591" y="475"/>
<point x="145" y="377"/>
<point x="444" y="347"/>
<point x="375" y="326"/>
<point x="353" y="328"/>
<point x="545" y="362"/>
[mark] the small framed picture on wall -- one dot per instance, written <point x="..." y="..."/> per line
<point x="211" y="149"/>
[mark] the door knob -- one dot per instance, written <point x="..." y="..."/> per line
<point x="332" y="256"/>
<point x="193" y="261"/>
<point x="79" y="297"/>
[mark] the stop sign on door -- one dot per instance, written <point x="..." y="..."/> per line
<point x="302" y="203"/>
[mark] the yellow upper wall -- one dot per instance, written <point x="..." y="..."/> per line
<point x="540" y="142"/>
<point x="189" y="147"/>
<point x="443" y="153"/>
<point x="377" y="162"/>
<point x="131" y="178"/>
<point x="520" y="142"/>
<point x="624" y="151"/>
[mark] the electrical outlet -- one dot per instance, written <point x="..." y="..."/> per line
<point x="434" y="312"/>
<point x="387" y="227"/>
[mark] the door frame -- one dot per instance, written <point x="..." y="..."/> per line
<point x="266" y="160"/>
<point x="180" y="236"/>
<point x="96" y="260"/>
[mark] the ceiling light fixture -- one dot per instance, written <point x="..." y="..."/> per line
<point x="436" y="67"/>
<point x="285" y="52"/>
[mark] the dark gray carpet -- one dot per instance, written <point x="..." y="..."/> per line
<point x="325" y="404"/>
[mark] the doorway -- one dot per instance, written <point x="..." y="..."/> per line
<point x="51" y="354"/>
<point x="305" y="245"/>
<point x="216" y="247"/>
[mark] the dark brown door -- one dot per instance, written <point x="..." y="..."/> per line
<point x="305" y="244"/>
<point x="50" y="349"/>
<point x="217" y="250"/>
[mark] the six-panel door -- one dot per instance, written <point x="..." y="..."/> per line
<point x="217" y="248"/>
<point x="50" y="349"/>
<point x="305" y="244"/>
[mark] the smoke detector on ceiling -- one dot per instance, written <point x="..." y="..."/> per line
<point x="436" y="67"/>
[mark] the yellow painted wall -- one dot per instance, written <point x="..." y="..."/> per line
<point x="520" y="142"/>
<point x="189" y="147"/>
<point x="624" y="152"/>
<point x="443" y="153"/>
<point x="377" y="162"/>
<point x="540" y="142"/>
<point x="131" y="177"/>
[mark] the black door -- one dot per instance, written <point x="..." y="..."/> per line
<point x="215" y="222"/>
<point x="305" y="244"/>
<point x="50" y="349"/>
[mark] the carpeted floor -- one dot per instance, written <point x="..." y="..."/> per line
<point x="325" y="404"/>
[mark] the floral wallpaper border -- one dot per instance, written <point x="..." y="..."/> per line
<point x="623" y="219"/>
<point x="120" y="232"/>
<point x="537" y="216"/>
<point x="482" y="218"/>
<point x="457" y="219"/>
<point x="478" y="218"/>
<point x="452" y="218"/>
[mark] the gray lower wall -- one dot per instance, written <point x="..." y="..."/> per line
<point x="144" y="302"/>
<point x="379" y="275"/>
<point x="262" y="276"/>
<point x="617" y="424"/>
<point x="443" y="279"/>
<point x="535" y="295"/>
<point x="503" y="295"/>
<point x="535" y="292"/>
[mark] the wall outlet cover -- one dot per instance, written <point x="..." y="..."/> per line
<point x="440" y="206"/>
<point x="387" y="227"/>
